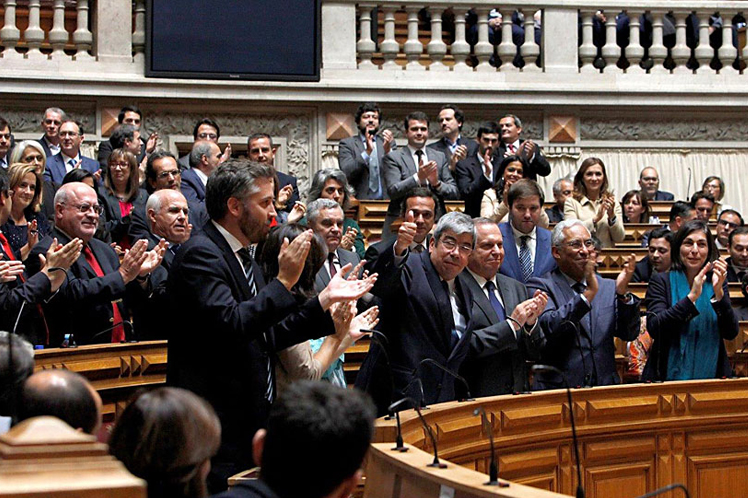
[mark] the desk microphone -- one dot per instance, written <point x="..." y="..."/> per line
<point x="669" y="487"/>
<point x="436" y="463"/>
<point x="493" y="466"/>
<point x="383" y="342"/>
<point x="393" y="408"/>
<point x="419" y="383"/>
<point x="552" y="369"/>
<point x="109" y="329"/>
<point x="586" y="378"/>
<point x="447" y="371"/>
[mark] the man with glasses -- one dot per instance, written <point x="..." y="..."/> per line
<point x="69" y="158"/>
<point x="205" y="130"/>
<point x="425" y="313"/>
<point x="584" y="312"/>
<point x="94" y="302"/>
<point x="51" y="121"/>
<point x="728" y="221"/>
<point x="649" y="182"/>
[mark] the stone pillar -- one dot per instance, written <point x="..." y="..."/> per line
<point x="389" y="46"/>
<point x="413" y="47"/>
<point x="530" y="50"/>
<point x="365" y="45"/>
<point x="611" y="51"/>
<point x="460" y="47"/>
<point x="113" y="28"/>
<point x="9" y="33"/>
<point x="704" y="52"/>
<point x="34" y="35"/>
<point x="587" y="50"/>
<point x="338" y="35"/>
<point x="658" y="51"/>
<point x="560" y="44"/>
<point x="727" y="52"/>
<point x="635" y="51"/>
<point x="58" y="36"/>
<point x="506" y="50"/>
<point x="436" y="48"/>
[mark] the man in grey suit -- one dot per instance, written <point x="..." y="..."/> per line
<point x="584" y="313"/>
<point x="414" y="166"/>
<point x="325" y="218"/>
<point x="505" y="332"/>
<point x="360" y="157"/>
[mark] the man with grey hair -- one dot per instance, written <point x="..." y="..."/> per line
<point x="584" y="312"/>
<point x="325" y="217"/>
<point x="16" y="365"/>
<point x="204" y="159"/>
<point x="425" y="313"/>
<point x="51" y="121"/>
<point x="511" y="145"/>
<point x="562" y="188"/>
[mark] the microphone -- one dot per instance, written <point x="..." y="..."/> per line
<point x="552" y="369"/>
<point x="669" y="487"/>
<point x="383" y="342"/>
<point x="447" y="371"/>
<point x="436" y="463"/>
<point x="493" y="466"/>
<point x="419" y="383"/>
<point x="393" y="408"/>
<point x="109" y="329"/>
<point x="587" y="378"/>
<point x="688" y="188"/>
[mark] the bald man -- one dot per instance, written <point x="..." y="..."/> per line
<point x="62" y="394"/>
<point x="94" y="302"/>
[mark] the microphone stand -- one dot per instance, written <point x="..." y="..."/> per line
<point x="436" y="463"/>
<point x="586" y="378"/>
<point x="493" y="466"/>
<point x="448" y="372"/>
<point x="381" y="339"/>
<point x="550" y="368"/>
<point x="419" y="383"/>
<point x="393" y="408"/>
<point x="109" y="329"/>
<point x="664" y="489"/>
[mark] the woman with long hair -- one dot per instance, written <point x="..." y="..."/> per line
<point x="635" y="207"/>
<point x="120" y="194"/>
<point x="494" y="203"/>
<point x="32" y="152"/>
<point x="594" y="204"/>
<point x="26" y="224"/>
<point x="689" y="314"/>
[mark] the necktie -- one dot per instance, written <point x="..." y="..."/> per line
<point x="118" y="326"/>
<point x="247" y="264"/>
<point x="419" y="154"/>
<point x="173" y="248"/>
<point x="525" y="259"/>
<point x="418" y="248"/>
<point x="495" y="304"/>
<point x="511" y="148"/>
<point x="71" y="163"/>
<point x="374" y="170"/>
<point x="579" y="287"/>
<point x="586" y="321"/>
<point x="331" y="259"/>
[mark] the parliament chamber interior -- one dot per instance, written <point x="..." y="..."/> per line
<point x="640" y="86"/>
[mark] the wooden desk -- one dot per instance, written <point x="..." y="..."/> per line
<point x="633" y="439"/>
<point x="115" y="370"/>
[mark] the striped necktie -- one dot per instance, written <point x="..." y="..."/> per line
<point x="525" y="259"/>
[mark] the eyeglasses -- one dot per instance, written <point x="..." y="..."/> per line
<point x="69" y="133"/>
<point x="52" y="121"/>
<point x="451" y="244"/>
<point x="85" y="207"/>
<point x="119" y="165"/>
<point x="577" y="244"/>
<point x="727" y="224"/>
<point x="166" y="174"/>
<point x="207" y="136"/>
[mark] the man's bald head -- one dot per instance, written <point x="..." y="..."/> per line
<point x="77" y="210"/>
<point x="62" y="394"/>
<point x="168" y="215"/>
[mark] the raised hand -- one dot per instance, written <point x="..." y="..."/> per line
<point x="59" y="256"/>
<point x="226" y="153"/>
<point x="406" y="233"/>
<point x="540" y="299"/>
<point x="487" y="164"/>
<point x="432" y="174"/>
<point x="346" y="242"/>
<point x="32" y="230"/>
<point x="134" y="258"/>
<point x="698" y="283"/>
<point x="388" y="139"/>
<point x="624" y="278"/>
<point x="719" y="274"/>
<point x="364" y="321"/>
<point x="297" y="212"/>
<point x="153" y="258"/>
<point x="341" y="289"/>
<point x="10" y="270"/>
<point x="370" y="140"/>
<point x="529" y="148"/>
<point x="150" y="145"/>
<point x="292" y="258"/>
<point x="284" y="195"/>
<point x="589" y="275"/>
<point x="459" y="154"/>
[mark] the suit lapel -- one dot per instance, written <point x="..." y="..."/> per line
<point x="510" y="248"/>
<point x="444" y="330"/>
<point x="542" y="250"/>
<point x="410" y="165"/>
<point x="480" y="299"/>
<point x="237" y="271"/>
<point x="465" y="296"/>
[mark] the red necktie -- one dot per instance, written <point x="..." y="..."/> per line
<point x="331" y="258"/>
<point x="118" y="330"/>
<point x="511" y="148"/>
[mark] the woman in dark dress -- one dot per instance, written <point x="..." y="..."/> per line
<point x="120" y="194"/>
<point x="26" y="224"/>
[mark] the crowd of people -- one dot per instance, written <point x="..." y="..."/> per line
<point x="257" y="286"/>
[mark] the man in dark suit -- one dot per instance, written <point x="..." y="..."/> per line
<point x="205" y="130"/>
<point x="562" y="188"/>
<point x="475" y="173"/>
<point x="737" y="263"/>
<point x="204" y="159"/>
<point x="94" y="302"/>
<point x="215" y="285"/>
<point x="51" y="121"/>
<point x="6" y="143"/>
<point x="658" y="256"/>
<point x="649" y="182"/>
<point x="69" y="158"/>
<point x="505" y="331"/>
<point x="584" y="312"/>
<point x="262" y="150"/>
<point x="512" y="145"/>
<point x="526" y="245"/>
<point x="414" y="166"/>
<point x="129" y="115"/>
<point x="325" y="218"/>
<point x="453" y="144"/>
<point x="361" y="156"/>
<point x="425" y="313"/>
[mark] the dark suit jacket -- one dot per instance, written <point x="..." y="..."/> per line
<point x="356" y="169"/>
<point x="192" y="187"/>
<point x="115" y="224"/>
<point x="416" y="316"/>
<point x="591" y="351"/>
<point x="732" y="275"/>
<point x="544" y="261"/>
<point x="538" y="167"/>
<point x="140" y="227"/>
<point x="105" y="149"/>
<point x="83" y="305"/>
<point x="442" y="146"/>
<point x="283" y="180"/>
<point x="667" y="321"/>
<point x="663" y="196"/>
<point x="496" y="362"/>
<point x="555" y="214"/>
<point x="323" y="276"/>
<point x="45" y="146"/>
<point x="643" y="270"/>
<point x="471" y="182"/>
<point x="55" y="170"/>
<point x="223" y="338"/>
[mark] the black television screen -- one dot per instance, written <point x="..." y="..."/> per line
<point x="233" y="39"/>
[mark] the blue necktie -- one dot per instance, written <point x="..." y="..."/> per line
<point x="525" y="259"/>
<point x="495" y="304"/>
<point x="374" y="180"/>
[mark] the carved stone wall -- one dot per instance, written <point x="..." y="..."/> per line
<point x="28" y="120"/>
<point x="635" y="129"/>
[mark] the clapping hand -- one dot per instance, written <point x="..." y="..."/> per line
<point x="698" y="283"/>
<point x="340" y="288"/>
<point x="349" y="238"/>
<point x="10" y="270"/>
<point x="292" y="258"/>
<point x="627" y="273"/>
<point x="719" y="274"/>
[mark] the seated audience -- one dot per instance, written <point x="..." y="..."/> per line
<point x="12" y="380"/>
<point x="329" y="429"/>
<point x="32" y="152"/>
<point x="494" y="204"/>
<point x="727" y="221"/>
<point x="635" y="208"/>
<point x="715" y="186"/>
<point x="475" y="173"/>
<point x="166" y="437"/>
<point x="562" y="189"/>
<point x="658" y="255"/>
<point x="594" y="204"/>
<point x="649" y="183"/>
<point x="120" y="195"/>
<point x="527" y="246"/>
<point x="63" y="394"/>
<point x="26" y="223"/>
<point x="703" y="203"/>
<point x="688" y="311"/>
<point x="204" y="159"/>
<point x="737" y="262"/>
<point x="332" y="184"/>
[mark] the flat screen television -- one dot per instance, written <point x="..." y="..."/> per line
<point x="276" y="40"/>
